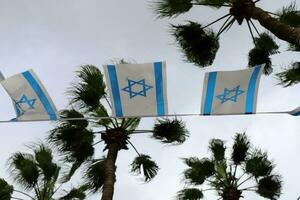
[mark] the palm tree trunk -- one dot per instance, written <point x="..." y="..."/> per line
<point x="110" y="169"/>
<point x="281" y="30"/>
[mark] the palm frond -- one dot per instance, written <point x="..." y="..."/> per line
<point x="101" y="111"/>
<point x="131" y="124"/>
<point x="172" y="8"/>
<point x="290" y="15"/>
<point x="270" y="187"/>
<point x="240" y="148"/>
<point x="217" y="148"/>
<point x="6" y="190"/>
<point x="258" y="164"/>
<point x="258" y="56"/>
<point x="95" y="174"/>
<point x="72" y="113"/>
<point x="90" y="88"/>
<point x="294" y="47"/>
<point x="199" y="170"/>
<point x="75" y="143"/>
<point x="190" y="194"/>
<point x="267" y="42"/>
<point x="198" y="45"/>
<point x="290" y="76"/>
<point x="170" y="131"/>
<point x="24" y="169"/>
<point x="43" y="157"/>
<point x="144" y="164"/>
<point x="75" y="194"/>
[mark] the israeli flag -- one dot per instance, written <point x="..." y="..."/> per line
<point x="230" y="92"/>
<point x="295" y="112"/>
<point x="137" y="89"/>
<point x="30" y="98"/>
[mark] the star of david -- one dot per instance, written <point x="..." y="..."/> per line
<point x="137" y="88"/>
<point x="24" y="100"/>
<point x="230" y="95"/>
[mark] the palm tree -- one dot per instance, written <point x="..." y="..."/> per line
<point x="247" y="169"/>
<point x="38" y="175"/>
<point x="76" y="139"/>
<point x="200" y="44"/>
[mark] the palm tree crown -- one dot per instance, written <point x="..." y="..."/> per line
<point x="77" y="139"/>
<point x="200" y="44"/>
<point x="39" y="176"/>
<point x="247" y="169"/>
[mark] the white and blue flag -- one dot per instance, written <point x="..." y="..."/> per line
<point x="295" y="112"/>
<point x="137" y="89"/>
<point x="30" y="98"/>
<point x="230" y="92"/>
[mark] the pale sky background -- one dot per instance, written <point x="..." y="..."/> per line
<point x="55" y="37"/>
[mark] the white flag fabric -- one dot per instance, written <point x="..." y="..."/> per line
<point x="137" y="89"/>
<point x="295" y="112"/>
<point x="30" y="98"/>
<point x="230" y="92"/>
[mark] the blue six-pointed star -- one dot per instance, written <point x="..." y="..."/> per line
<point x="230" y="95"/>
<point x="141" y="90"/>
<point x="30" y="103"/>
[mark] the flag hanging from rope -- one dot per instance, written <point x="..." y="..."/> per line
<point x="230" y="92"/>
<point x="30" y="98"/>
<point x="295" y="112"/>
<point x="137" y="89"/>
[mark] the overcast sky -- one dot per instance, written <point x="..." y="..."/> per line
<point x="55" y="37"/>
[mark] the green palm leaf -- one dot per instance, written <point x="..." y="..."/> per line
<point x="24" y="169"/>
<point x="130" y="124"/>
<point x="72" y="113"/>
<point x="101" y="111"/>
<point x="258" y="164"/>
<point x="290" y="15"/>
<point x="213" y="3"/>
<point x="95" y="174"/>
<point x="144" y="164"/>
<point x="190" y="194"/>
<point x="5" y="190"/>
<point x="290" y="76"/>
<point x="240" y="148"/>
<point x="43" y="157"/>
<point x="198" y="45"/>
<point x="217" y="148"/>
<point x="90" y="89"/>
<point x="198" y="170"/>
<point x="75" y="142"/>
<point x="75" y="194"/>
<point x="170" y="131"/>
<point x="172" y="8"/>
<point x="270" y="187"/>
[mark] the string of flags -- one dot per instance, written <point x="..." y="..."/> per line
<point x="140" y="90"/>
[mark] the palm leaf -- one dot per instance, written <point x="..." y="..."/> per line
<point x="258" y="164"/>
<point x="43" y="157"/>
<point x="172" y="8"/>
<point x="290" y="15"/>
<point x="240" y="148"/>
<point x="217" y="148"/>
<point x="95" y="174"/>
<point x="259" y="56"/>
<point x="5" y="190"/>
<point x="130" y="124"/>
<point x="75" y="143"/>
<point x="270" y="187"/>
<point x="101" y="111"/>
<point x="24" y="169"/>
<point x="198" y="45"/>
<point x="170" y="131"/>
<point x="90" y="88"/>
<point x="72" y="113"/>
<point x="144" y="164"/>
<point x="267" y="42"/>
<point x="75" y="193"/>
<point x="190" y="194"/>
<point x="290" y="76"/>
<point x="199" y="170"/>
